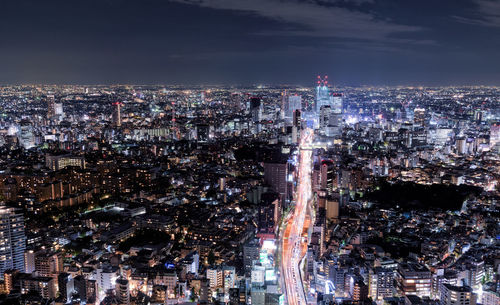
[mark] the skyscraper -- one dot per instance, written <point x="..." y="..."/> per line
<point x="494" y="134"/>
<point x="58" y="111"/>
<point x="51" y="109"/>
<point x="292" y="103"/>
<point x="26" y="135"/>
<point x="297" y="120"/>
<point x="337" y="103"/>
<point x="419" y="116"/>
<point x="117" y="116"/>
<point x="256" y="109"/>
<point x="323" y="97"/>
<point x="13" y="240"/>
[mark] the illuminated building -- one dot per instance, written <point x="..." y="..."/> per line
<point x="292" y="103"/>
<point x="26" y="136"/>
<point x="117" y="116"/>
<point x="251" y="252"/>
<point x="324" y="117"/>
<point x="490" y="297"/>
<point x="457" y="295"/>
<point x="419" y="116"/>
<point x="51" y="110"/>
<point x="44" y="286"/>
<point x="106" y="278"/>
<point x="494" y="134"/>
<point x="359" y="291"/>
<point x="57" y="162"/>
<point x="381" y="283"/>
<point x="58" y="111"/>
<point x="48" y="263"/>
<point x="202" y="132"/>
<point x="332" y="208"/>
<point x="323" y="97"/>
<point x="414" y="279"/>
<point x="122" y="291"/>
<point x="297" y="122"/>
<point x="216" y="278"/>
<point x="13" y="240"/>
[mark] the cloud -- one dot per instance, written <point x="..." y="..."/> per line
<point x="487" y="14"/>
<point x="313" y="18"/>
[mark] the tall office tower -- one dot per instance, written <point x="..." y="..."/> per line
<point x="284" y="104"/>
<point x="494" y="134"/>
<point x="419" y="116"/>
<point x="297" y="119"/>
<point x="324" y="117"/>
<point x="58" y="111"/>
<point x="236" y="100"/>
<point x="256" y="109"/>
<point x="292" y="103"/>
<point x="117" y="116"/>
<point x="296" y="127"/>
<point x="323" y="97"/>
<point x="122" y="292"/>
<point x="51" y="109"/>
<point x="275" y="175"/>
<point x="14" y="240"/>
<point x="335" y="119"/>
<point x="461" y="145"/>
<point x="26" y="135"/>
<point x="251" y="251"/>
<point x="337" y="103"/>
<point x="202" y="132"/>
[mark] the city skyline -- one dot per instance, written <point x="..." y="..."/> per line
<point x="250" y="152"/>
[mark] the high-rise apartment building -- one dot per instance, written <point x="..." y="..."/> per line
<point x="13" y="240"/>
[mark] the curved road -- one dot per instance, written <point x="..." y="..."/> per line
<point x="294" y="244"/>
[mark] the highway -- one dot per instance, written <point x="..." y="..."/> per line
<point x="294" y="243"/>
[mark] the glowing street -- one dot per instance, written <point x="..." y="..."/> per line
<point x="294" y="242"/>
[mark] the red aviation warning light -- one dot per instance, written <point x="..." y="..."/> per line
<point x="323" y="81"/>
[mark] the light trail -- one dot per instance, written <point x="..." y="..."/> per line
<point x="294" y="246"/>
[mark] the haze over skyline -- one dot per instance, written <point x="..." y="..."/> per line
<point x="355" y="42"/>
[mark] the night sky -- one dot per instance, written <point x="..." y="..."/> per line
<point x="355" y="42"/>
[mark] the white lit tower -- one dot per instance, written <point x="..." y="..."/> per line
<point x="323" y="97"/>
<point x="26" y="134"/>
<point x="336" y="116"/>
<point x="284" y="106"/>
<point x="292" y="103"/>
